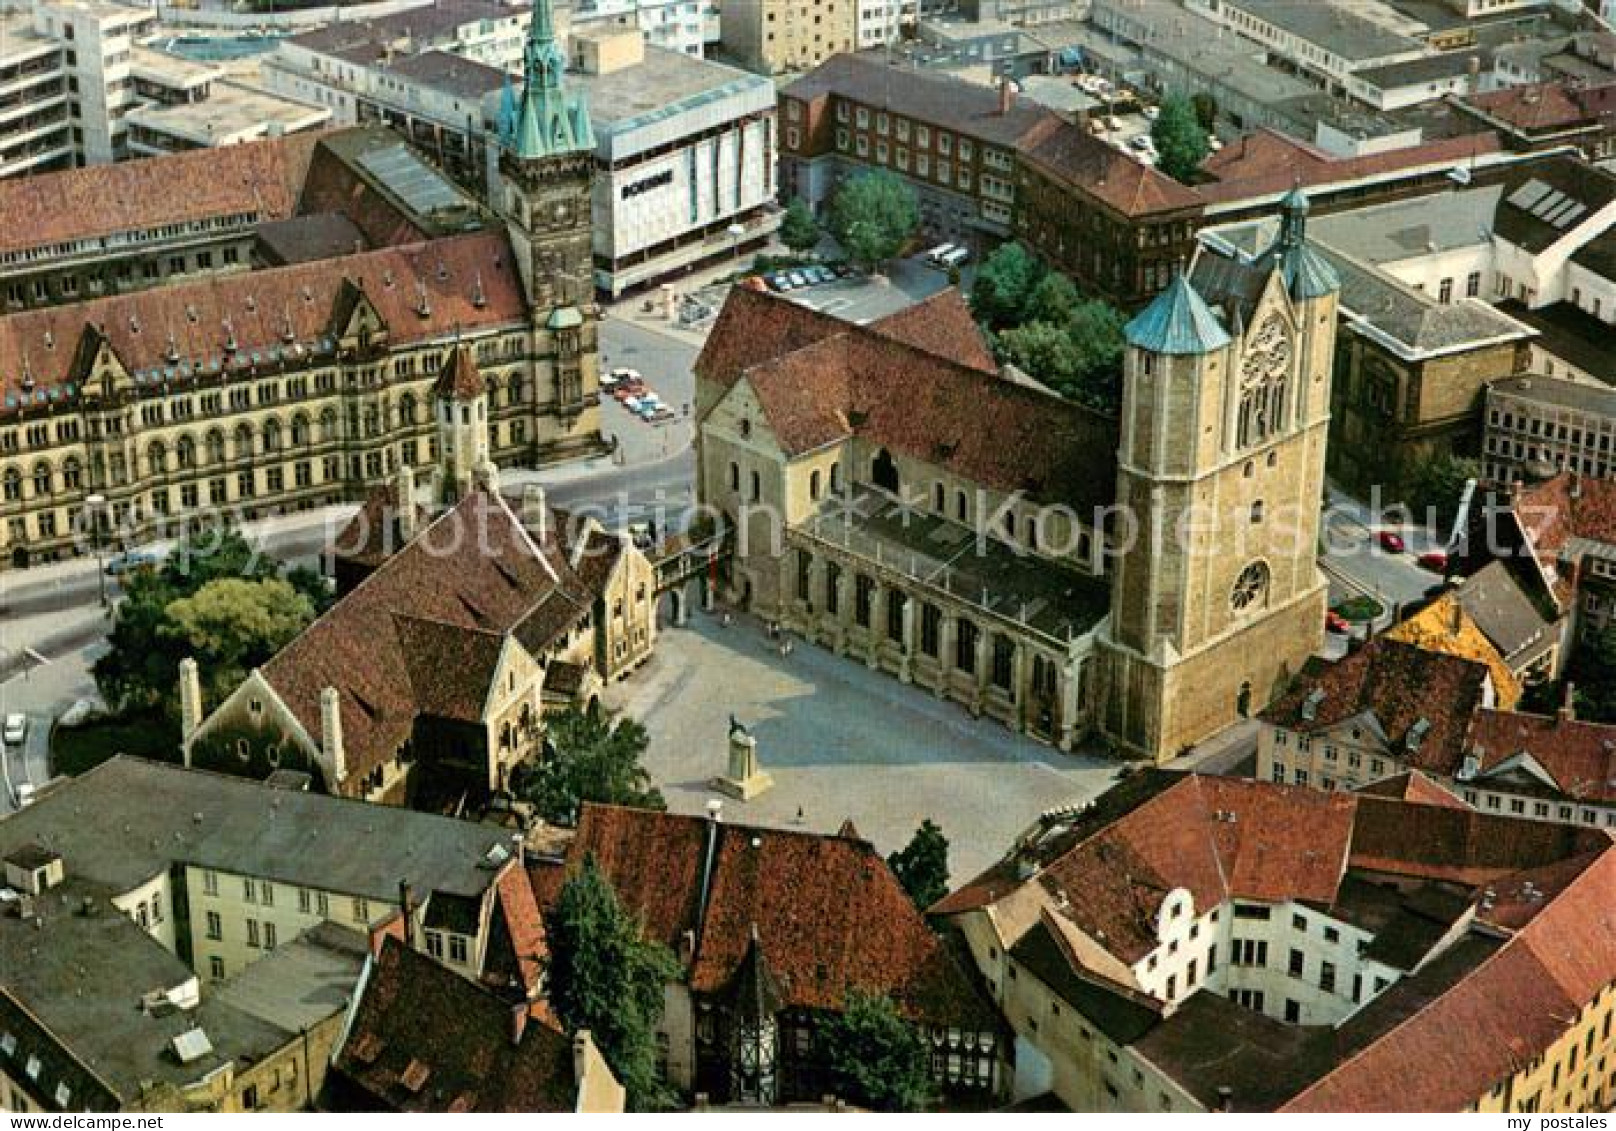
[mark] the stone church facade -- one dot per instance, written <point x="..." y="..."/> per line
<point x="305" y="382"/>
<point x="1147" y="578"/>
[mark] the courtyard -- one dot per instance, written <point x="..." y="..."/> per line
<point x="842" y="743"/>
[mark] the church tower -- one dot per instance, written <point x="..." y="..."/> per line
<point x="543" y="189"/>
<point x="1216" y="598"/>
<point x="460" y="408"/>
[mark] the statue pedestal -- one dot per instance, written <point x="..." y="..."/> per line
<point x="745" y="780"/>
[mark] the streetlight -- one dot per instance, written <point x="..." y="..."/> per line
<point x="95" y="506"/>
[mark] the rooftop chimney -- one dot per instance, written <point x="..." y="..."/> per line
<point x="518" y="1022"/>
<point x="1568" y="706"/>
<point x="406" y="504"/>
<point x="190" y="705"/>
<point x="534" y="511"/>
<point x="331" y="736"/>
<point x="1007" y="95"/>
<point x="406" y="903"/>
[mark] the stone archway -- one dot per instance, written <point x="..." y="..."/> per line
<point x="19" y="558"/>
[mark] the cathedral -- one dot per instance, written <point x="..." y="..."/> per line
<point x="1141" y="580"/>
<point x="270" y="345"/>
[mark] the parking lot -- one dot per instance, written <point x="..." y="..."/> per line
<point x="866" y="298"/>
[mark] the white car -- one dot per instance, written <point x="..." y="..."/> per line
<point x="1151" y="113"/>
<point x="16" y="730"/>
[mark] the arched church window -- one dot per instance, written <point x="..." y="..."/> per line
<point x="1264" y="377"/>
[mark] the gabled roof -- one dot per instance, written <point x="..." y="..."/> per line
<point x="1447" y="626"/>
<point x="256" y="178"/>
<point x="421" y="635"/>
<point x="424" y="1039"/>
<point x="1579" y="756"/>
<point x="1416" y="786"/>
<point x="821" y="379"/>
<point x="1177" y="322"/>
<point x="181" y="334"/>
<point x="942" y="325"/>
<point x="824" y="912"/>
<point x="1401" y="686"/>
<point x="1566" y="507"/>
<point x="1069" y="153"/>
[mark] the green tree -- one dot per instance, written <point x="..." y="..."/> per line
<point x="234" y="625"/>
<point x="1042" y="350"/>
<point x="798" y="229"/>
<point x="1095" y="328"/>
<point x="139" y="672"/>
<point x="873" y="215"/>
<point x="882" y="1060"/>
<point x="590" y="759"/>
<point x="603" y="975"/>
<point x="922" y="865"/>
<point x="1434" y="487"/>
<point x="1206" y="110"/>
<point x="1593" y="672"/>
<point x="1004" y="286"/>
<point x="1053" y="299"/>
<point x="1180" y="141"/>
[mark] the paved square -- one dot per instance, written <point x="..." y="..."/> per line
<point x="841" y="742"/>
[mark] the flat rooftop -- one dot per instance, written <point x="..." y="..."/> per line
<point x="1570" y="334"/>
<point x="1058" y="602"/>
<point x="230" y="113"/>
<point x="1556" y="391"/>
<point x="171" y="70"/>
<point x="665" y="83"/>
<point x="1333" y="27"/>
<point x="128" y="820"/>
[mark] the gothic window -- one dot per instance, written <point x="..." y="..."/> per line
<point x="185" y="452"/>
<point x="157" y="457"/>
<point x="13" y="485"/>
<point x="42" y="479"/>
<point x="1250" y="588"/>
<point x="1264" y="377"/>
<point x="884" y="471"/>
<point x="272" y="436"/>
<point x="215" y="443"/>
<point x="72" y="474"/>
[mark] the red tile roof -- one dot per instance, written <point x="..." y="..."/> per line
<point x="421" y="635"/>
<point x="942" y="325"/>
<point x="460" y="379"/>
<point x="1580" y="756"/>
<point x="820" y="380"/>
<point x="1567" y="506"/>
<point x="1547" y="891"/>
<point x="257" y="178"/>
<point x="1400" y="685"/>
<point x="1072" y="154"/>
<point x="1267" y="162"/>
<point x="1545" y="106"/>
<point x="1498" y="1018"/>
<point x="282" y="312"/>
<point x="1416" y="786"/>
<point x="517" y="945"/>
<point x="828" y="913"/>
<point x="424" y="1039"/>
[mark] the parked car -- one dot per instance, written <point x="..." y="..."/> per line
<point x="780" y="281"/>
<point x="16" y="729"/>
<point x="1151" y="113"/>
<point x="842" y="270"/>
<point x="1143" y="143"/>
<point x="662" y="413"/>
<point x="1336" y="623"/>
<point x="797" y="278"/>
<point x="622" y="374"/>
<point x="1391" y="543"/>
<point x="754" y="283"/>
<point x="822" y="274"/>
<point x="632" y="403"/>
<point x="1435" y="561"/>
<point x="128" y="562"/>
<point x="25" y="794"/>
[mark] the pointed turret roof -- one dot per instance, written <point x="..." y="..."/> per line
<point x="1307" y="274"/>
<point x="755" y="993"/>
<point x="460" y="380"/>
<point x="1178" y="321"/>
<point x="549" y="120"/>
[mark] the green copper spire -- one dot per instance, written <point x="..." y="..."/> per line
<point x="549" y="120"/>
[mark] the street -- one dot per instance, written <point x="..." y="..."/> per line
<point x="1356" y="564"/>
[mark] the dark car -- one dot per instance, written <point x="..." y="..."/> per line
<point x="1391" y="543"/>
<point x="1435" y="561"/>
<point x="1336" y="623"/>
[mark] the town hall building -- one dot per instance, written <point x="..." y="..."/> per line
<point x="256" y="330"/>
<point x="1149" y="577"/>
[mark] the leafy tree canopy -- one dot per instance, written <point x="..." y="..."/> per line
<point x="213" y="598"/>
<point x="873" y="215"/>
<point x="881" y="1059"/>
<point x="922" y="865"/>
<point x="603" y="975"/>
<point x="1004" y="286"/>
<point x="1206" y="110"/>
<point x="798" y="229"/>
<point x="1181" y="143"/>
<point x="590" y="759"/>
